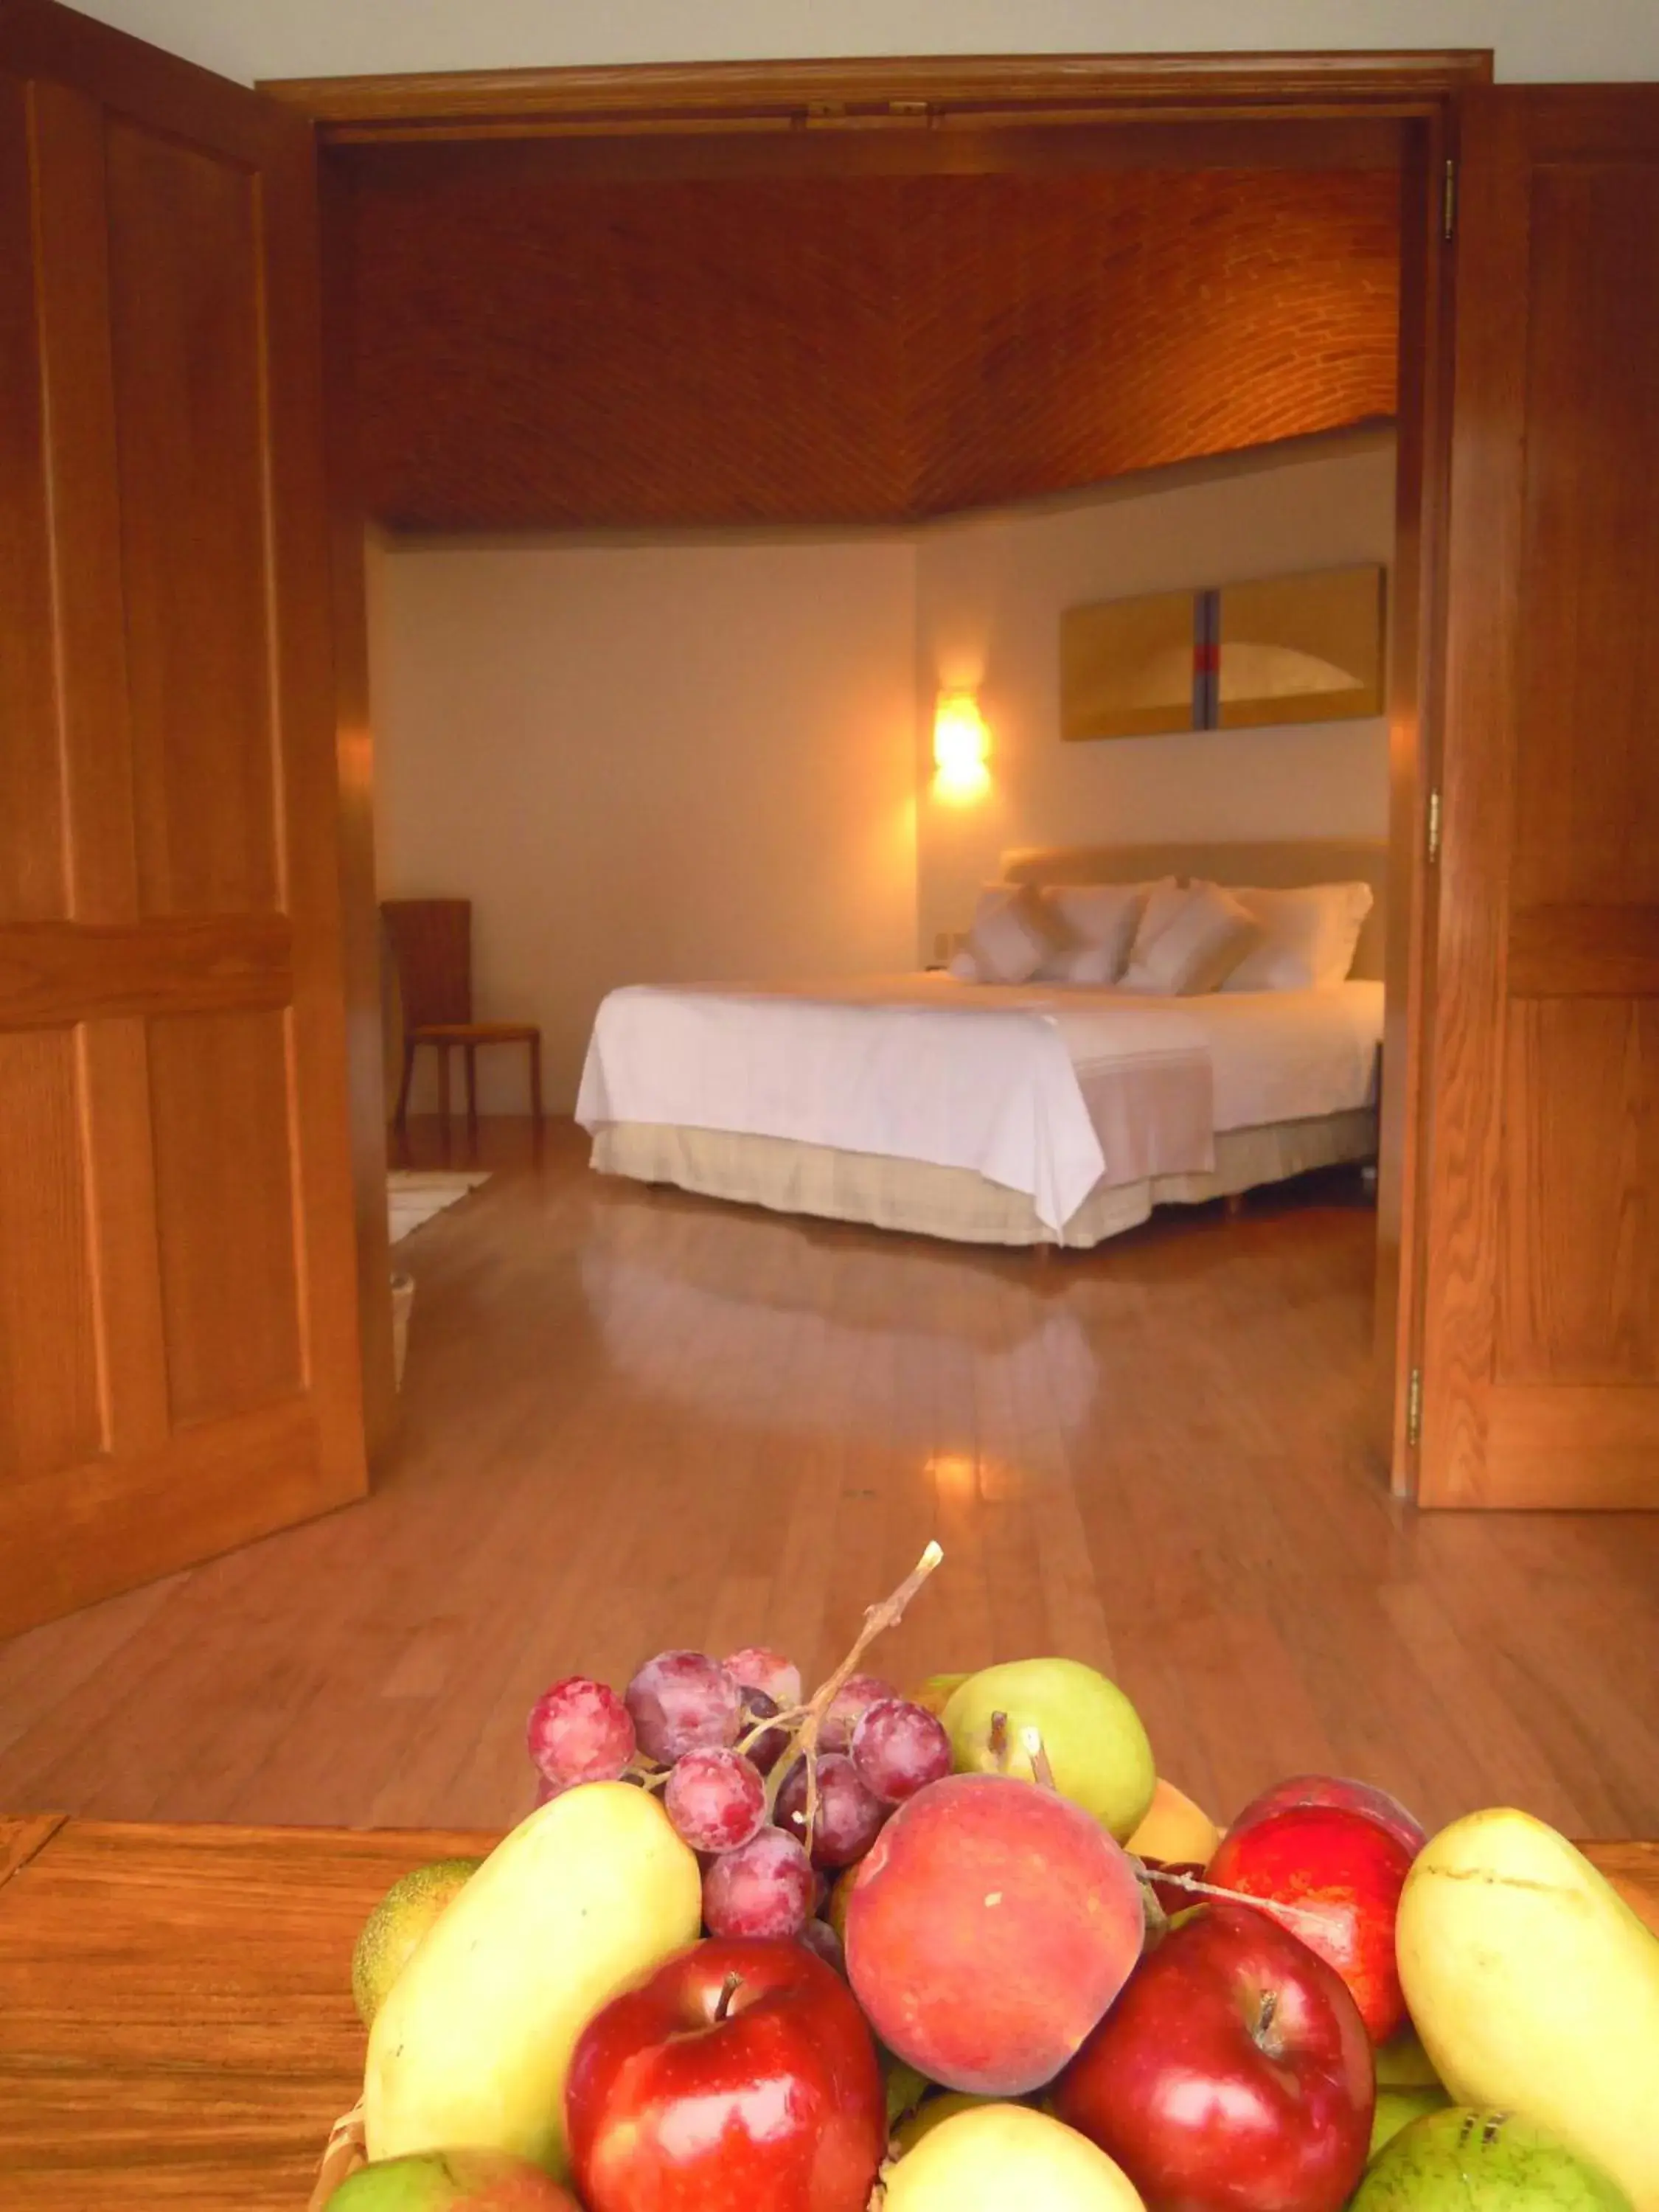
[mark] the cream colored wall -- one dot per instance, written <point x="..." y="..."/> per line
<point x="249" y="39"/>
<point x="648" y="763"/>
<point x="989" y="594"/>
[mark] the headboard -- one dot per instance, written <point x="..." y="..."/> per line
<point x="1279" y="867"/>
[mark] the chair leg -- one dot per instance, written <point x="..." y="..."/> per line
<point x="443" y="1086"/>
<point x="536" y="1079"/>
<point x="472" y="1052"/>
<point x="400" y="1119"/>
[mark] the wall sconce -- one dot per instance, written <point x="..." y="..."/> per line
<point x="962" y="744"/>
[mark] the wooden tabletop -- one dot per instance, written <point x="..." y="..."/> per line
<point x="175" y="2005"/>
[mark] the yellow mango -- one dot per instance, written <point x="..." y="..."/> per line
<point x="1535" y="1989"/>
<point x="472" y="2043"/>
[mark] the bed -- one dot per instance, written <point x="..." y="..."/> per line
<point x="1035" y="1113"/>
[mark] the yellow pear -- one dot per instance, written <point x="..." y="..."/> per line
<point x="933" y="2112"/>
<point x="999" y="2157"/>
<point x="1535" y="1989"/>
<point x="1174" y="1830"/>
<point x="473" y="2041"/>
<point x="388" y="1938"/>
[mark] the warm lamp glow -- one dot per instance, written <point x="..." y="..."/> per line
<point x="960" y="745"/>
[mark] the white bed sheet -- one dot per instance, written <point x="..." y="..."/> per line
<point x="1049" y="1089"/>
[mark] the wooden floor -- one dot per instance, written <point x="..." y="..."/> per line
<point x="635" y="1420"/>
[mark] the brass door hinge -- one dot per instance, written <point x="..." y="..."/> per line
<point x="1414" y="1408"/>
<point x="1434" y="829"/>
<point x="1449" y="203"/>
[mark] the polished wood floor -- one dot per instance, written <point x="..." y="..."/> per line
<point x="634" y="1419"/>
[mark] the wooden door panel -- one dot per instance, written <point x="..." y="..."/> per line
<point x="87" y="637"/>
<point x="185" y="320"/>
<point x="1580" y="1298"/>
<point x="33" y="879"/>
<point x="51" y="1411"/>
<point x="1587" y="767"/>
<point x="176" y="1282"/>
<point x="1541" y="1336"/>
<point x="220" y="1110"/>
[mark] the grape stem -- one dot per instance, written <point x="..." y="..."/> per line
<point x="878" y="1619"/>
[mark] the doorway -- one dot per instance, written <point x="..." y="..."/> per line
<point x="1037" y="119"/>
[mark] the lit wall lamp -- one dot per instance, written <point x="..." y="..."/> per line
<point x="962" y="744"/>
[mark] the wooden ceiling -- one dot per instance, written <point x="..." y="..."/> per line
<point x="540" y="348"/>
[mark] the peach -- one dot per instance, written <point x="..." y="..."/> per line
<point x="988" y="1928"/>
<point x="1175" y="1831"/>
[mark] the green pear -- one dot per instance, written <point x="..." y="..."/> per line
<point x="1466" y="2160"/>
<point x="475" y="2038"/>
<point x="397" y="1924"/>
<point x="1397" y="2108"/>
<point x="905" y="2087"/>
<point x="1535" y="1989"/>
<point x="999" y="2156"/>
<point x="1403" y="2063"/>
<point x="452" y="2181"/>
<point x="1097" y="1746"/>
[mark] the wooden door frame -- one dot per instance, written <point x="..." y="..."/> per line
<point x="941" y="113"/>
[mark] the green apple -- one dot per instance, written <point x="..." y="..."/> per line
<point x="1462" y="2159"/>
<point x="452" y="2181"/>
<point x="1092" y="1734"/>
<point x="1398" y="2108"/>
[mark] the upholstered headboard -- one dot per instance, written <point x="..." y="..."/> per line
<point x="1278" y="866"/>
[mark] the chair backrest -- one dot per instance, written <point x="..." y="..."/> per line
<point x="432" y="944"/>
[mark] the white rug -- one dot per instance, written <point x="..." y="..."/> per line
<point x="414" y="1195"/>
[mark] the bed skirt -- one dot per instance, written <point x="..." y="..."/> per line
<point x="955" y="1202"/>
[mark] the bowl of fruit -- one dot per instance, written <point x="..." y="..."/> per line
<point x="963" y="1948"/>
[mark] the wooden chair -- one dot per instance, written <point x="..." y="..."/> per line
<point x="431" y="944"/>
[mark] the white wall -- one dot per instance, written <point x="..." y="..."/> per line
<point x="648" y="763"/>
<point x="988" y="599"/>
<point x="1533" y="39"/>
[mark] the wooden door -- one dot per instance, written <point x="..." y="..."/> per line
<point x="177" y="1322"/>
<point x="1540" y="1346"/>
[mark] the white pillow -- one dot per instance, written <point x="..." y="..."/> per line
<point x="1096" y="924"/>
<point x="1310" y="936"/>
<point x="1010" y="938"/>
<point x="1189" y="940"/>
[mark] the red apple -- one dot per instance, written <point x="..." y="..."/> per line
<point x="1233" y="2074"/>
<point x="988" y="1928"/>
<point x="1348" y="1796"/>
<point x="740" y="2073"/>
<point x="1337" y="1875"/>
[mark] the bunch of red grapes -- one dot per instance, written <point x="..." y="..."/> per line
<point x="730" y="1745"/>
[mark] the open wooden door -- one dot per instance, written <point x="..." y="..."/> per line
<point x="1541" y="1338"/>
<point x="179" y="1366"/>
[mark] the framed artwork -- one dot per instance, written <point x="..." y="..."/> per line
<point x="1301" y="648"/>
<point x="1305" y="648"/>
<point x="1126" y="668"/>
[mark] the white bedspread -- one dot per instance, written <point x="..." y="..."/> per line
<point x="1046" y="1089"/>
